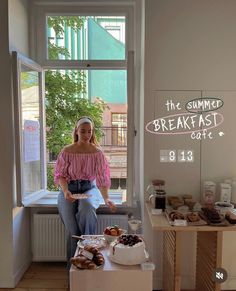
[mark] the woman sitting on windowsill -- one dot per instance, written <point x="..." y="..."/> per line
<point x="81" y="168"/>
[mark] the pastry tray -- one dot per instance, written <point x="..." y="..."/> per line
<point x="79" y="266"/>
<point x="96" y="240"/>
<point x="223" y="222"/>
<point x="186" y="223"/>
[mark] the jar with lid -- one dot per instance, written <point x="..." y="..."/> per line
<point x="158" y="198"/>
<point x="209" y="193"/>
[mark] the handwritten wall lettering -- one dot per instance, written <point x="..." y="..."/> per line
<point x="198" y="120"/>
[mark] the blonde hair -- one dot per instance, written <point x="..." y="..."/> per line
<point x="93" y="139"/>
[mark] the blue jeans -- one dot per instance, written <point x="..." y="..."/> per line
<point x="80" y="216"/>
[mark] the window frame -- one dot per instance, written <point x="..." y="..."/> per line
<point x="19" y="60"/>
<point x="39" y="45"/>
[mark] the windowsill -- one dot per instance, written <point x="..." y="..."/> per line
<point x="49" y="200"/>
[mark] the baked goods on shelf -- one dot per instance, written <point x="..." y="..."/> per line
<point x="173" y="215"/>
<point x="175" y="201"/>
<point x="178" y="218"/>
<point x="212" y="215"/>
<point x="192" y="217"/>
<point x="88" y="258"/>
<point x="187" y="196"/>
<point x="190" y="203"/>
<point x="128" y="249"/>
<point x="231" y="217"/>
<point x="224" y="207"/>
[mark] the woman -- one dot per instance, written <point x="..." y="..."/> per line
<point x="81" y="167"/>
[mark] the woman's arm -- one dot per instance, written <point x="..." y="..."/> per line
<point x="108" y="202"/>
<point x="64" y="187"/>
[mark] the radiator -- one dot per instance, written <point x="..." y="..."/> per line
<point x="48" y="235"/>
<point x="48" y="239"/>
<point x="107" y="219"/>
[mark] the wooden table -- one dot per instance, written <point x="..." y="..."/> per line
<point x="209" y="252"/>
<point x="110" y="277"/>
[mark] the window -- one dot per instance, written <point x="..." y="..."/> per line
<point x="28" y="104"/>
<point x="119" y="129"/>
<point x="92" y="45"/>
<point x="86" y="37"/>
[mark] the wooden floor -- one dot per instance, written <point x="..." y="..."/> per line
<point x="43" y="277"/>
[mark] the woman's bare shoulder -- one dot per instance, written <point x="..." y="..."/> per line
<point x="76" y="149"/>
<point x="95" y="148"/>
<point x="69" y="148"/>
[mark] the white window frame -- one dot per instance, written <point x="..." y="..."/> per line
<point x="39" y="45"/>
<point x="18" y="61"/>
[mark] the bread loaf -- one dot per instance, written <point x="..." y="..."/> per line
<point x="98" y="259"/>
<point x="91" y="249"/>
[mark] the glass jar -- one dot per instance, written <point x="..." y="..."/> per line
<point x="160" y="194"/>
<point x="160" y="199"/>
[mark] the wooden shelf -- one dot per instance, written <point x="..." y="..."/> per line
<point x="208" y="252"/>
<point x="160" y="222"/>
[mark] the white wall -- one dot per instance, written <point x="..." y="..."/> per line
<point x="18" y="26"/>
<point x="189" y="45"/>
<point x="19" y="41"/>
<point x="6" y="150"/>
<point x="21" y="243"/>
<point x="14" y="222"/>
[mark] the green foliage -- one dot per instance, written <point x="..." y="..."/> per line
<point x="28" y="79"/>
<point x="64" y="94"/>
<point x="50" y="178"/>
<point x="64" y="97"/>
<point x="64" y="107"/>
<point x="59" y="22"/>
<point x="54" y="51"/>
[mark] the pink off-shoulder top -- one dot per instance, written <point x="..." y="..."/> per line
<point x="85" y="166"/>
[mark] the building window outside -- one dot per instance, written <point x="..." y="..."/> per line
<point x="87" y="37"/>
<point x="119" y="129"/>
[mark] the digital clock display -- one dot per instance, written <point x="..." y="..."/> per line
<point x="172" y="156"/>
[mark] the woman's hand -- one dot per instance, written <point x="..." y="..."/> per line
<point x="110" y="204"/>
<point x="69" y="196"/>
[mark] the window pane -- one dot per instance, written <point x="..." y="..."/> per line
<point x="77" y="95"/>
<point x="86" y="37"/>
<point x="119" y="125"/>
<point x="31" y="131"/>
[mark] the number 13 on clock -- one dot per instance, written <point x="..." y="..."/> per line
<point x="186" y="156"/>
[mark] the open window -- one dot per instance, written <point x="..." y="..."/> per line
<point x="29" y="120"/>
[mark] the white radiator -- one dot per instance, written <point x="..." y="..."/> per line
<point x="48" y="235"/>
<point x="49" y="239"/>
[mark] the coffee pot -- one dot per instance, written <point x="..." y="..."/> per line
<point x="156" y="194"/>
